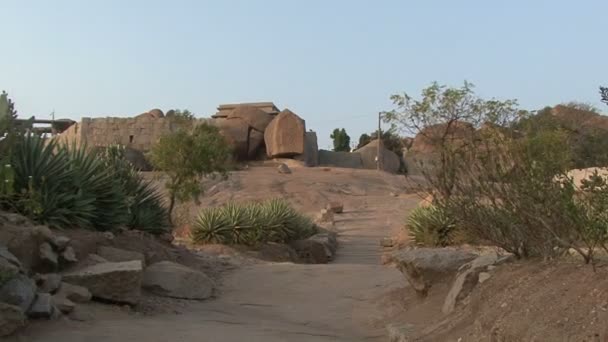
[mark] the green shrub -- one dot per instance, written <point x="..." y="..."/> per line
<point x="144" y="203"/>
<point x="431" y="226"/>
<point x="252" y="223"/>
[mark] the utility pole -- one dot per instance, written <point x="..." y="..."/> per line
<point x="379" y="153"/>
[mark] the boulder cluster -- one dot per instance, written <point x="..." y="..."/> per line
<point x="44" y="275"/>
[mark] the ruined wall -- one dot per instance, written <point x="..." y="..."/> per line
<point x="139" y="133"/>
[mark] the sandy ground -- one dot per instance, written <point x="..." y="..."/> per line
<point x="280" y="301"/>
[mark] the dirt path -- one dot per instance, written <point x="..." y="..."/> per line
<point x="277" y="301"/>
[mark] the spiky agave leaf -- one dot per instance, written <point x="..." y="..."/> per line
<point x="45" y="188"/>
<point x="98" y="182"/>
<point x="211" y="227"/>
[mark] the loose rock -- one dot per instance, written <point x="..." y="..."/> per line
<point x="63" y="304"/>
<point x="12" y="319"/>
<point x="48" y="283"/>
<point x="69" y="255"/>
<point x="325" y="216"/>
<point x="387" y="242"/>
<point x="48" y="255"/>
<point x="335" y="207"/>
<point x="74" y="293"/>
<point x="42" y="307"/>
<point x="118" y="255"/>
<point x="112" y="281"/>
<point x="169" y="279"/>
<point x="483" y="276"/>
<point x="60" y="242"/>
<point x="19" y="291"/>
<point x="283" y="168"/>
<point x="311" y="251"/>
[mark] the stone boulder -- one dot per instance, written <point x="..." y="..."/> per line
<point x="283" y="168"/>
<point x="173" y="280"/>
<point x="284" y="136"/>
<point x="74" y="293"/>
<point x="117" y="255"/>
<point x="424" y="267"/>
<point x="48" y="283"/>
<point x="325" y="216"/>
<point x="256" y="141"/>
<point x="277" y="252"/>
<point x="23" y="240"/>
<point x="42" y="307"/>
<point x="329" y="241"/>
<point x="254" y="117"/>
<point x="335" y="207"/>
<point x="236" y="133"/>
<point x="311" y="251"/>
<point x="48" y="256"/>
<point x="156" y="113"/>
<point x="390" y="160"/>
<point x="340" y="159"/>
<point x="12" y="318"/>
<point x="63" y="304"/>
<point x="9" y="264"/>
<point x="19" y="291"/>
<point x="111" y="281"/>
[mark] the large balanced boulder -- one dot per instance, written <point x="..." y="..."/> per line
<point x="19" y="291"/>
<point x="236" y="133"/>
<point x="424" y="267"/>
<point x="12" y="318"/>
<point x="173" y="280"/>
<point x="390" y="160"/>
<point x="111" y="281"/>
<point x="284" y="136"/>
<point x="254" y="117"/>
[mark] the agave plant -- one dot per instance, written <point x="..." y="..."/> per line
<point x="97" y="183"/>
<point x="431" y="226"/>
<point x="253" y="223"/>
<point x="45" y="189"/>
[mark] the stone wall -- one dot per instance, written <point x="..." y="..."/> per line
<point x="139" y="133"/>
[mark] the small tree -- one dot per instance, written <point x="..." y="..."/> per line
<point x="189" y="156"/>
<point x="341" y="140"/>
<point x="604" y="94"/>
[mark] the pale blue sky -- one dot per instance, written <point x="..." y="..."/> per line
<point x="335" y="63"/>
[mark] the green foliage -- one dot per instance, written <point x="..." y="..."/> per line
<point x="431" y="226"/>
<point x="183" y="118"/>
<point x="68" y="186"/>
<point x="143" y="202"/>
<point x="604" y="94"/>
<point x="341" y="140"/>
<point x="7" y="113"/>
<point x="251" y="224"/>
<point x="187" y="157"/>
<point x="390" y="140"/>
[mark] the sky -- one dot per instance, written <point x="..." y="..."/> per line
<point x="333" y="62"/>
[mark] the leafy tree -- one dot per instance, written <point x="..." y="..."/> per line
<point x="604" y="94"/>
<point x="183" y="118"/>
<point x="341" y="140"/>
<point x="7" y="112"/>
<point x="390" y="140"/>
<point x="189" y="156"/>
<point x="445" y="117"/>
<point x="365" y="139"/>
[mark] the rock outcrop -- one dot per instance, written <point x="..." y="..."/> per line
<point x="256" y="118"/>
<point x="284" y="136"/>
<point x="390" y="161"/>
<point x="19" y="291"/>
<point x="113" y="254"/>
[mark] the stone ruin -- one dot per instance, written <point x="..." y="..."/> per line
<point x="256" y="131"/>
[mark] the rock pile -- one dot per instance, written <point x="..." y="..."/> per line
<point x="42" y="278"/>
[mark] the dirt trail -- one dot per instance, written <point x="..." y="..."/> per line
<point x="282" y="301"/>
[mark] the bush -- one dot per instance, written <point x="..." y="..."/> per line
<point x="252" y="223"/>
<point x="431" y="226"/>
<point x="144" y="203"/>
<point x="68" y="186"/>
